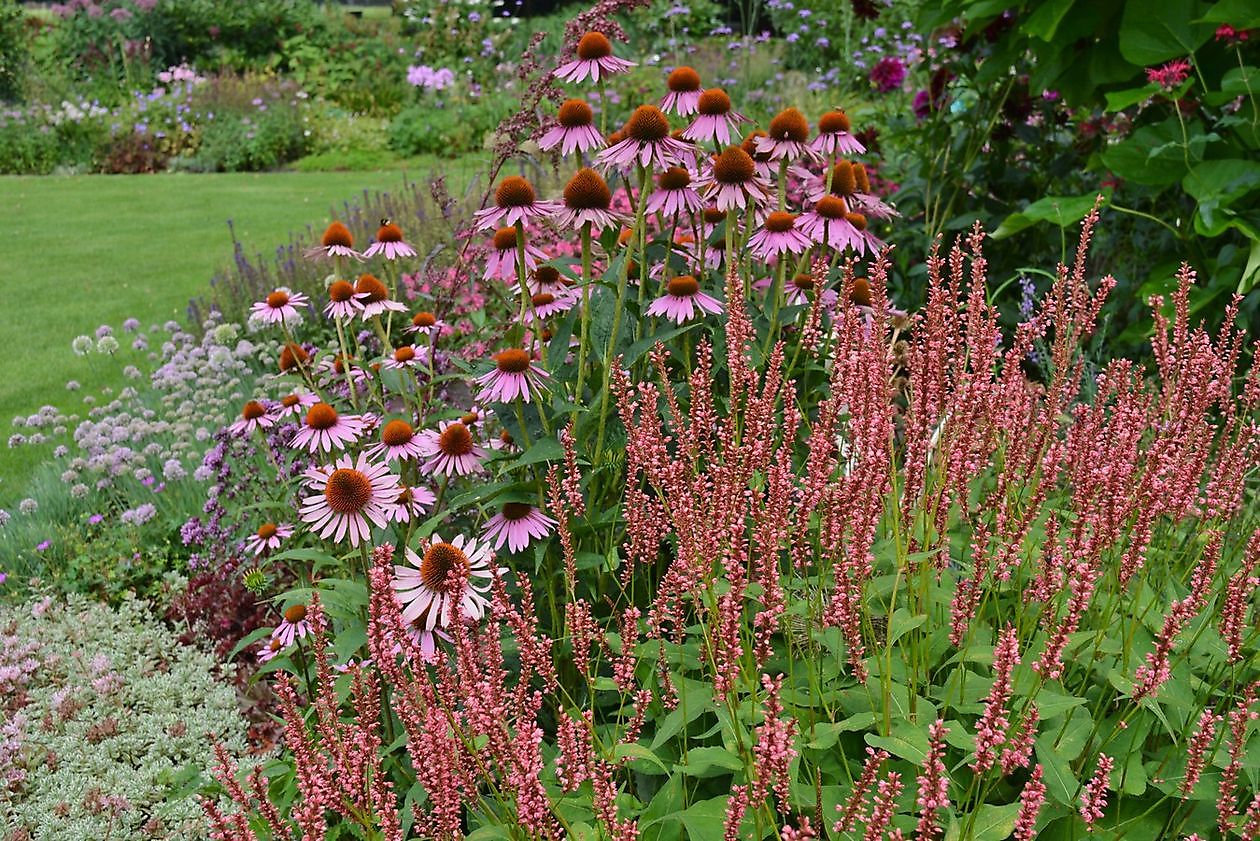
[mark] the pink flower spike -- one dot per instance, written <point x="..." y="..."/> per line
<point x="517" y="524"/>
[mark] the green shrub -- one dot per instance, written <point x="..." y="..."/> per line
<point x="14" y="51"/>
<point x="450" y="131"/>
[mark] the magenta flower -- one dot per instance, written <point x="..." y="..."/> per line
<point x="715" y="120"/>
<point x="268" y="537"/>
<point x="341" y="303"/>
<point x="834" y="135"/>
<point x="683" y="98"/>
<point x="517" y="525"/>
<point x="389" y="243"/>
<point x="398" y="442"/>
<point x="410" y="504"/>
<point x="269" y="650"/>
<point x="427" y="589"/>
<point x="293" y="627"/>
<point x="888" y="74"/>
<point x="800" y="291"/>
<point x="787" y="138"/>
<point x="324" y="429"/>
<point x="683" y="301"/>
<point x="575" y="130"/>
<point x="450" y="451"/>
<point x="426" y="324"/>
<point x="778" y="236"/>
<point x="407" y="356"/>
<point x="371" y="298"/>
<point x="1170" y="75"/>
<point x="514" y="376"/>
<point x="674" y="193"/>
<point x="501" y="263"/>
<point x="253" y="416"/>
<point x="349" y="497"/>
<point x="514" y="201"/>
<point x="594" y="56"/>
<point x="831" y="224"/>
<point x="587" y="200"/>
<point x="647" y="143"/>
<point x="543" y="305"/>
<point x="280" y="307"/>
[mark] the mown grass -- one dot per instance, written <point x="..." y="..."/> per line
<point x="97" y="249"/>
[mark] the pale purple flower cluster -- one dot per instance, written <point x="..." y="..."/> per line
<point x="424" y="76"/>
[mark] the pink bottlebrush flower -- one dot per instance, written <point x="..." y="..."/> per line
<point x="371" y="298"/>
<point x="1020" y="742"/>
<point x="674" y="193"/>
<point x="253" y="416"/>
<point x="517" y="524"/>
<point x="410" y="504"/>
<point x="1169" y="75"/>
<point x="427" y="588"/>
<point x="647" y="143"/>
<point x="801" y="832"/>
<point x="994" y="721"/>
<point x="450" y="450"/>
<point x="389" y="243"/>
<point x="514" y="202"/>
<point x="884" y="806"/>
<point x="787" y="138"/>
<point x="594" y="56"/>
<point x="399" y="442"/>
<point x="715" y="119"/>
<point x="341" y="303"/>
<point x="683" y="301"/>
<point x="575" y="130"/>
<point x="587" y="200"/>
<point x="501" y="264"/>
<point x="1239" y="719"/>
<point x="933" y="783"/>
<point x="294" y="405"/>
<point x="1196" y="750"/>
<point x="349" y="496"/>
<point x="336" y="242"/>
<point x="407" y="356"/>
<point x="1155" y="671"/>
<point x="513" y="377"/>
<point x="268" y="537"/>
<point x="1030" y="802"/>
<point x="773" y="751"/>
<point x="831" y="224"/>
<point x="683" y="98"/>
<point x="778" y="237"/>
<point x="324" y="429"/>
<point x="293" y="627"/>
<point x="834" y="137"/>
<point x="280" y="307"/>
<point x="731" y="181"/>
<point x="1094" y="797"/>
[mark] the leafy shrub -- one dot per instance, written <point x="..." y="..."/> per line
<point x="447" y="130"/>
<point x="15" y="51"/>
<point x="108" y="725"/>
<point x="250" y="123"/>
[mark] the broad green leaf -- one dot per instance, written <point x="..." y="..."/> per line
<point x="1155" y="31"/>
<point x="1044" y="22"/>
<point x="1061" y="210"/>
<point x="710" y="762"/>
<point x="703" y="820"/>
<point x="1051" y="703"/>
<point x="250" y="638"/>
<point x="907" y="742"/>
<point x="1119" y="100"/>
<point x="634" y="750"/>
<point x="546" y="449"/>
<point x="902" y="622"/>
<point x="695" y="704"/>
<point x="1241" y="14"/>
<point x="995" y="823"/>
<point x="827" y="734"/>
<point x="1061" y="783"/>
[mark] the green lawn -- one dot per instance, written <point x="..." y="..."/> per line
<point x="97" y="249"/>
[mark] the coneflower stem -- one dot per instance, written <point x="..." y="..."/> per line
<point x="586" y="315"/>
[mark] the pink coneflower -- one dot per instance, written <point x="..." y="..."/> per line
<point x="647" y="143"/>
<point x="426" y="324"/>
<point x="778" y="236"/>
<point x="731" y="181"/>
<point x="514" y="376"/>
<point x="787" y="137"/>
<point x="280" y="307"/>
<point x="336" y="242"/>
<point x="766" y="169"/>
<point x="1170" y="75"/>
<point x="253" y="416"/>
<point x="514" y="201"/>
<point x="389" y="242"/>
<point x="268" y="537"/>
<point x="372" y="298"/>
<point x="450" y="451"/>
<point x="575" y="130"/>
<point x="683" y="300"/>
<point x="341" y="302"/>
<point x="324" y="429"/>
<point x="501" y="263"/>
<point x="270" y="649"/>
<point x="517" y="524"/>
<point x="587" y="200"/>
<point x="407" y="356"/>
<point x="546" y="279"/>
<point x="337" y="366"/>
<point x="292" y="627"/>
<point x="503" y="442"/>
<point x="350" y="496"/>
<point x="545" y="304"/>
<point x="424" y="588"/>
<point x="800" y="291"/>
<point x="834" y="137"/>
<point x="674" y="193"/>
<point x="831" y="224"/>
<point x="398" y="441"/>
<point x="294" y="405"/>
<point x="594" y="56"/>
<point x="409" y="504"/>
<point x="716" y="120"/>
<point x="425" y="641"/>
<point x="683" y="98"/>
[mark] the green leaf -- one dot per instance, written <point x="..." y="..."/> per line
<point x="1119" y="100"/>
<point x="1044" y="22"/>
<point x="1051" y="703"/>
<point x="1061" y="783"/>
<point x="697" y="698"/>
<point x="1061" y="210"/>
<point x="710" y="762"/>
<point x="902" y="622"/>
<point x="907" y="742"/>
<point x="1155" y="31"/>
<point x="828" y="733"/>
<point x="704" y="820"/>
<point x="1241" y="14"/>
<point x="250" y="638"/>
<point x="995" y="823"/>
<point x="634" y="750"/>
<point x="545" y="449"/>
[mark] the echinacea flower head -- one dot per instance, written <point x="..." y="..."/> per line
<point x="268" y="537"/>
<point x="543" y="305"/>
<point x="830" y="223"/>
<point x="787" y="137"/>
<point x="517" y="524"/>
<point x="683" y="301"/>
<point x="715" y="119"/>
<point x="253" y="416"/>
<point x="587" y="200"/>
<point x="801" y="289"/>
<point x="336" y="242"/>
<point x="427" y="590"/>
<point x="341" y="302"/>
<point x="372" y="298"/>
<point x="293" y="627"/>
<point x="407" y="356"/>
<point x="732" y="182"/>
<point x="270" y="649"/>
<point x="425" y="324"/>
<point x="546" y="279"/>
<point x="834" y="135"/>
<point x="575" y="130"/>
<point x="280" y="307"/>
<point x="398" y="441"/>
<point x="674" y="193"/>
<point x="594" y="56"/>
<point x="514" y="201"/>
<point x="450" y="450"/>
<point x="861" y="294"/>
<point x="683" y="98"/>
<point x="647" y="143"/>
<point x="324" y="429"/>
<point x="410" y="504"/>
<point x="513" y="376"/>
<point x="778" y="236"/>
<point x="294" y="404"/>
<point x="292" y="357"/>
<point x="389" y="243"/>
<point x="349" y="497"/>
<point x="501" y="263"/>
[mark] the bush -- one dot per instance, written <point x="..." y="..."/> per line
<point x="15" y="51"/>
<point x="446" y="130"/>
